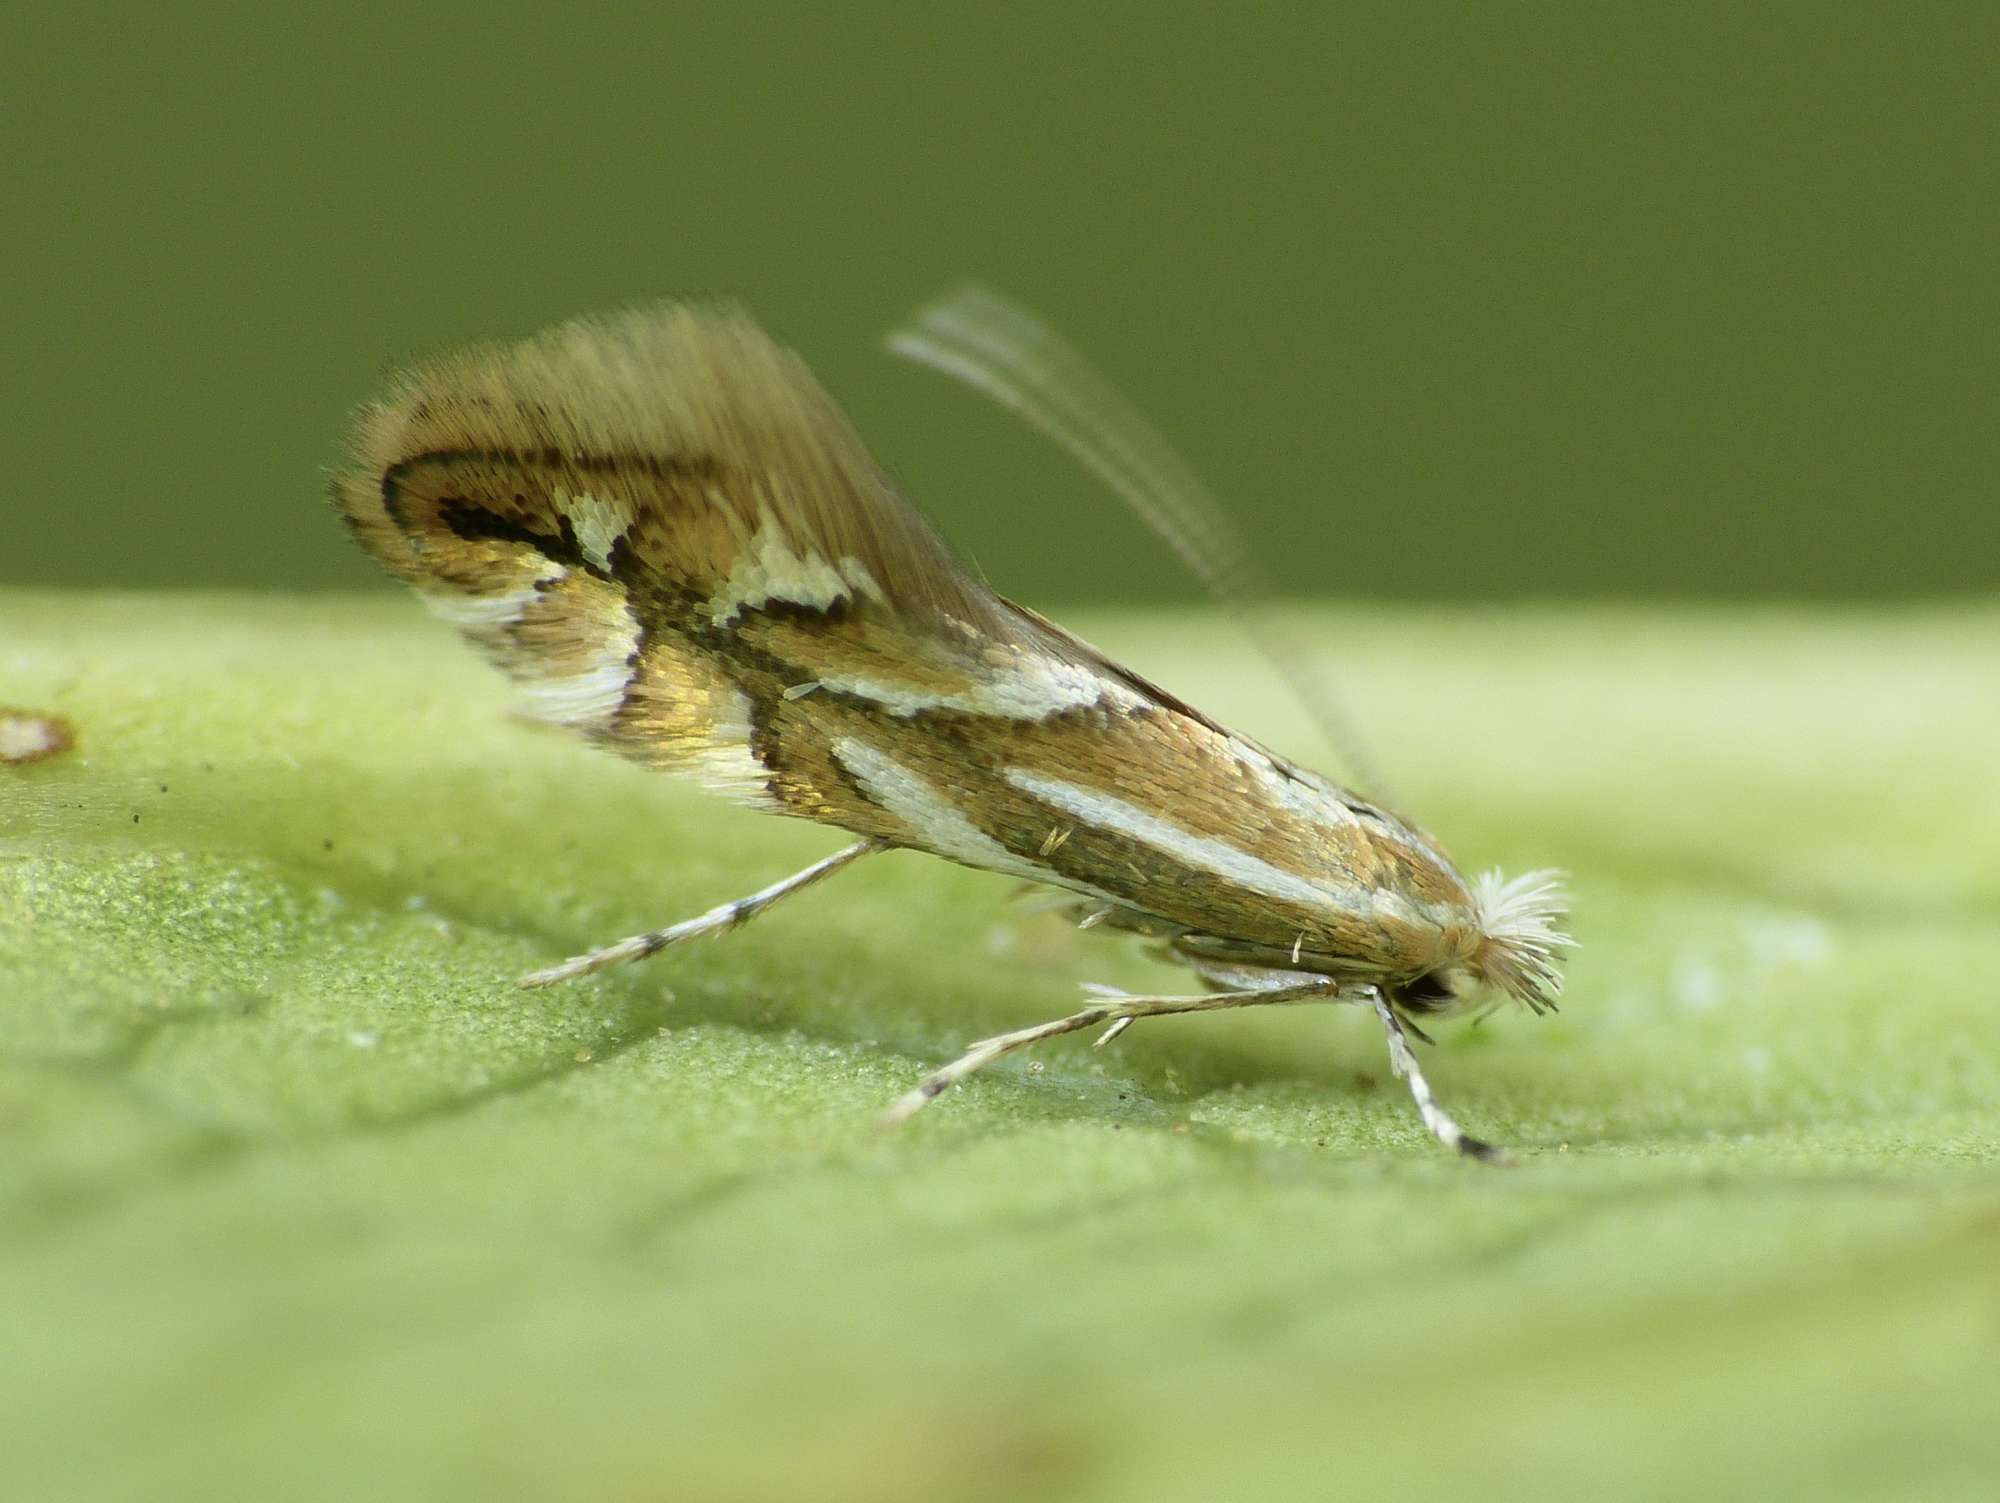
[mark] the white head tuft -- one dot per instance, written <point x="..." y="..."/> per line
<point x="1523" y="946"/>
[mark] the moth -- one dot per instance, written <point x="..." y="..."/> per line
<point x="667" y="533"/>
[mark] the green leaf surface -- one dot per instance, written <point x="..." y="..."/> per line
<point x="301" y="1198"/>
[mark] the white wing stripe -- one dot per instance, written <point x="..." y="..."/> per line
<point x="1204" y="853"/>
<point x="928" y="813"/>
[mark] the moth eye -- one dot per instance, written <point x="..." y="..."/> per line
<point x="1435" y="990"/>
<point x="1428" y="988"/>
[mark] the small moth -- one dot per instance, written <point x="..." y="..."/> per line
<point x="663" y="528"/>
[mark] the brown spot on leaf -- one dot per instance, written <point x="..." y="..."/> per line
<point x="32" y="736"/>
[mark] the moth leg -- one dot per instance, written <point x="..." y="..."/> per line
<point x="1403" y="1060"/>
<point x="716" y="921"/>
<point x="1117" y="1025"/>
<point x="1117" y="1011"/>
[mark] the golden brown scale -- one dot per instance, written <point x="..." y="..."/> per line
<point x="856" y="646"/>
<point x="677" y="698"/>
<point x="567" y="627"/>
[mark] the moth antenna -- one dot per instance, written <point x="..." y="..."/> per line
<point x="1000" y="349"/>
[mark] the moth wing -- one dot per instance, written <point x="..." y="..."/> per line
<point x="680" y="442"/>
<point x="1071" y="648"/>
<point x="604" y="507"/>
<point x="1075" y="650"/>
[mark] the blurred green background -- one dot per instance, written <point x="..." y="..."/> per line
<point x="1480" y="301"/>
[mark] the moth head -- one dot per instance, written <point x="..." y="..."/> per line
<point x="1522" y="943"/>
<point x="1519" y="951"/>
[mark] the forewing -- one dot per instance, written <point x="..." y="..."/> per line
<point x="663" y="527"/>
<point x="677" y="445"/>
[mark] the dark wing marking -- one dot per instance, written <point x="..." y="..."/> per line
<point x="679" y="448"/>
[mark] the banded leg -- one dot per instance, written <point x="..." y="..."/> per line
<point x="716" y="921"/>
<point x="1117" y="1011"/>
<point x="1403" y="1060"/>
